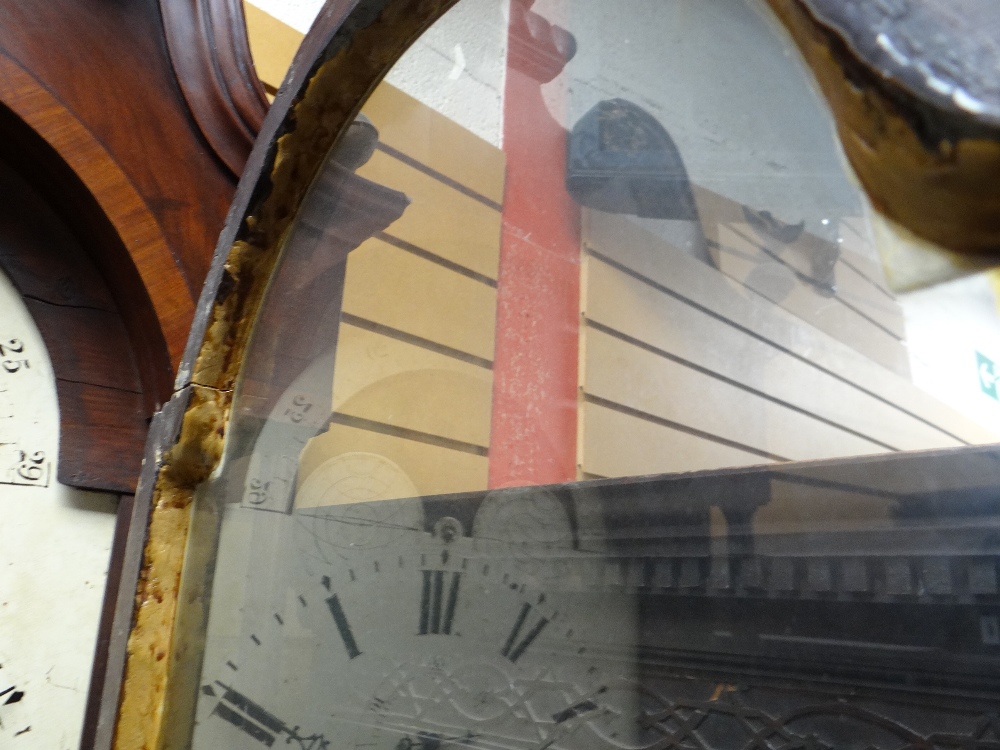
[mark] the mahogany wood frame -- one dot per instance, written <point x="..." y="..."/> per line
<point x="131" y="124"/>
<point x="132" y="146"/>
<point x="208" y="48"/>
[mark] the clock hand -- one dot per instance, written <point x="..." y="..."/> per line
<point x="569" y="719"/>
<point x="15" y="697"/>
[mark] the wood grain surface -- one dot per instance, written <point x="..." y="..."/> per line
<point x="137" y="171"/>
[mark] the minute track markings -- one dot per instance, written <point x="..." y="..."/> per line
<point x="494" y="610"/>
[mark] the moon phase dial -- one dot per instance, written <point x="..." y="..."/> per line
<point x="432" y="642"/>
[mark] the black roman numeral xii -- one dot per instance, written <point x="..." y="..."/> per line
<point x="432" y="598"/>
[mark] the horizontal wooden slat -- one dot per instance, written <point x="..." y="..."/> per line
<point x="400" y="384"/>
<point x="365" y="357"/>
<point x="440" y="219"/>
<point x="741" y="260"/>
<point x="853" y="250"/>
<point x="432" y="469"/>
<point x="398" y="289"/>
<point x="618" y="445"/>
<point x="740" y="251"/>
<point x="739" y="241"/>
<point x="856" y="290"/>
<point x="432" y="139"/>
<point x="672" y="269"/>
<point x="627" y="375"/>
<point x="621" y="302"/>
<point x="858" y="281"/>
<point x="858" y="250"/>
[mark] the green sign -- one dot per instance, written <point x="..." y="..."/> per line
<point x="987" y="375"/>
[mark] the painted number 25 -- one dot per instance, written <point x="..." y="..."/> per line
<point x="8" y="352"/>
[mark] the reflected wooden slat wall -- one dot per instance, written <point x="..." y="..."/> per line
<point x="701" y="372"/>
<point x="413" y="376"/>
<point x="859" y="312"/>
<point x="683" y="367"/>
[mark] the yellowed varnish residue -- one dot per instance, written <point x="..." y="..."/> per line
<point x="187" y="464"/>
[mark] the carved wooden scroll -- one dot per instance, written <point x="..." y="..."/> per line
<point x="207" y="43"/>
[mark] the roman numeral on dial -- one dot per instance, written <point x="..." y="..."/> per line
<point x="514" y="648"/>
<point x="432" y="592"/>
<point x="343" y="627"/>
<point x="254" y="720"/>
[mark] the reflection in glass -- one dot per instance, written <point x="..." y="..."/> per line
<point x="570" y="243"/>
<point x="830" y="603"/>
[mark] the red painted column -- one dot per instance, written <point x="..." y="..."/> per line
<point x="534" y="421"/>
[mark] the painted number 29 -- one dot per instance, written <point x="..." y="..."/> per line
<point x="31" y="466"/>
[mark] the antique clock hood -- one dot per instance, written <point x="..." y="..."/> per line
<point x="470" y="446"/>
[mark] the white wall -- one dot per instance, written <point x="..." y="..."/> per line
<point x="724" y="80"/>
<point x="457" y="67"/>
<point x="946" y="325"/>
<point x="720" y="75"/>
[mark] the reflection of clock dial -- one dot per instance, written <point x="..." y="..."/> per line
<point x="434" y="641"/>
<point x="301" y="412"/>
<point x="533" y="519"/>
<point x="48" y="610"/>
<point x="352" y="481"/>
<point x="355" y="477"/>
<point x="535" y="526"/>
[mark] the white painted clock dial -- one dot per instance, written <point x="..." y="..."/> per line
<point x="54" y="549"/>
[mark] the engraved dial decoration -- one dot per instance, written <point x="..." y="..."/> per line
<point x="439" y="639"/>
<point x="49" y="609"/>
